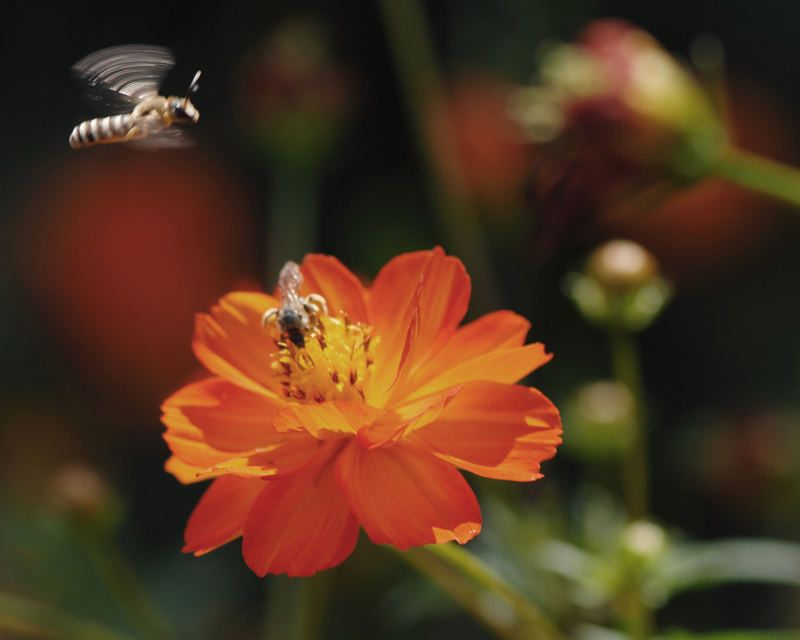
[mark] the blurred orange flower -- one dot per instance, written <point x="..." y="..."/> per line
<point x="363" y="424"/>
<point x="117" y="249"/>
<point x="481" y="150"/>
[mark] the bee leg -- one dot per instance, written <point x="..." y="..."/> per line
<point x="317" y="304"/>
<point x="134" y="132"/>
<point x="270" y="315"/>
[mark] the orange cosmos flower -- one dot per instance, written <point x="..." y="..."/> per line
<point x="364" y="422"/>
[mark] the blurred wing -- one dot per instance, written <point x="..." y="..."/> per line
<point x="119" y="77"/>
<point x="289" y="281"/>
<point x="170" y="138"/>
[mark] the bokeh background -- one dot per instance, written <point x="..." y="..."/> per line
<point x="306" y="143"/>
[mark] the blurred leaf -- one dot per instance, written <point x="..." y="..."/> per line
<point x="38" y="620"/>
<point x="595" y="578"/>
<point x="587" y="572"/>
<point x="43" y="555"/>
<point x="749" y="634"/>
<point x="706" y="564"/>
<point x="593" y="632"/>
<point x="412" y="600"/>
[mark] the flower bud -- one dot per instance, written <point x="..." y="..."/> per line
<point x="600" y="419"/>
<point x="619" y="91"/>
<point x="730" y="224"/>
<point x="292" y="96"/>
<point x="81" y="494"/>
<point x="620" y="287"/>
<point x="644" y="540"/>
<point x="644" y="548"/>
<point x="621" y="265"/>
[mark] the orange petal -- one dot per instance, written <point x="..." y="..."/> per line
<point x="230" y="418"/>
<point x="445" y="295"/>
<point x="391" y="425"/>
<point x="381" y="433"/>
<point x="406" y="497"/>
<point x="498" y="330"/>
<point x="394" y="288"/>
<point x="494" y="430"/>
<point x="299" y="525"/>
<point x="192" y="459"/>
<point x="393" y="365"/>
<point x="342" y="291"/>
<point x="186" y="442"/>
<point x="231" y="342"/>
<point x="299" y="451"/>
<point x="325" y="420"/>
<point x="186" y="473"/>
<point x="275" y="453"/>
<point x="220" y="515"/>
<point x="503" y="365"/>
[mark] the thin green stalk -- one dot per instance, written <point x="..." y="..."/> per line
<point x="126" y="588"/>
<point x="637" y="617"/>
<point x="25" y="617"/>
<point x="468" y="580"/>
<point x="466" y="595"/>
<point x="626" y="368"/>
<point x="411" y="46"/>
<point x="292" y="229"/>
<point x="295" y="607"/>
<point x="760" y="174"/>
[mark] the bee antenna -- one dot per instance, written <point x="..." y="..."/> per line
<point x="193" y="85"/>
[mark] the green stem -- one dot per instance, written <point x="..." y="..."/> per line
<point x="292" y="229"/>
<point x="467" y="596"/>
<point x="126" y="587"/>
<point x="29" y="618"/>
<point x="627" y="369"/>
<point x="410" y="41"/>
<point x="637" y="617"/>
<point x="468" y="580"/>
<point x="295" y="607"/>
<point x="760" y="174"/>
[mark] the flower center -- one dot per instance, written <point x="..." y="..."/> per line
<point x="333" y="363"/>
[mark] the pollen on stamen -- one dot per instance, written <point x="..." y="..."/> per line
<point x="336" y="352"/>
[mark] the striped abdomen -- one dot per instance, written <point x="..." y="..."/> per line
<point x="102" y="130"/>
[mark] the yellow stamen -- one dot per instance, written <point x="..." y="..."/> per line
<point x="333" y="364"/>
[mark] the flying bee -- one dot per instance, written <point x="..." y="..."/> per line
<point x="297" y="316"/>
<point x="125" y="80"/>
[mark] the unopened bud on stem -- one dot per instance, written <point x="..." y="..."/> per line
<point x="620" y="288"/>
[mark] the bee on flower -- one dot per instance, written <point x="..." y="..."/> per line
<point x="296" y="317"/>
<point x="363" y="423"/>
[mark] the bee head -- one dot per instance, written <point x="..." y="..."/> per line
<point x="183" y="110"/>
